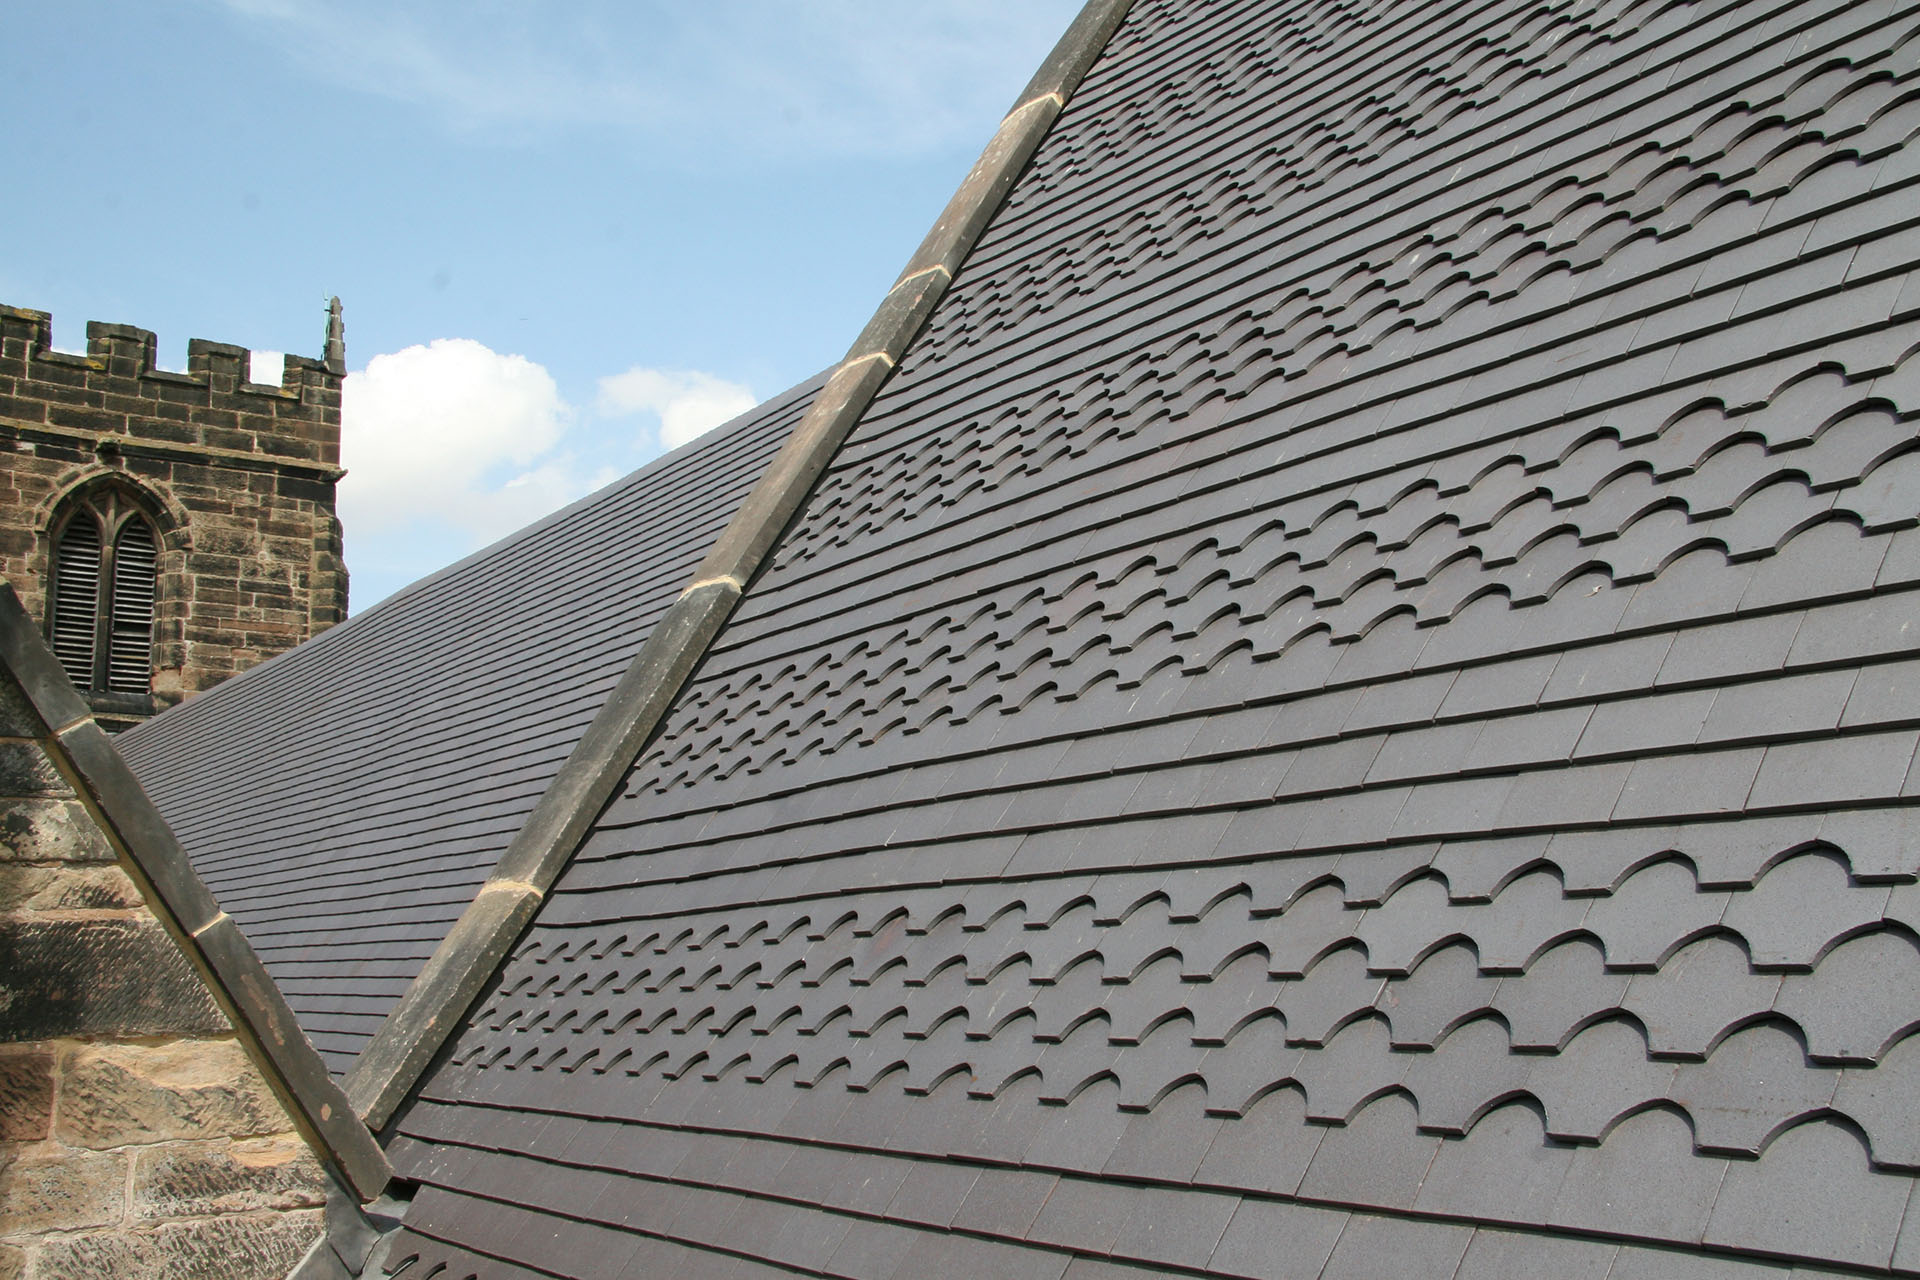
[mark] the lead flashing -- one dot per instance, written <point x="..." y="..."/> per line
<point x="466" y="958"/>
<point x="225" y="961"/>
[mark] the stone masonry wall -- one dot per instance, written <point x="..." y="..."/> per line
<point x="136" y="1137"/>
<point x="240" y="476"/>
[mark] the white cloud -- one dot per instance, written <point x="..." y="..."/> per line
<point x="687" y="402"/>
<point x="786" y="80"/>
<point x="452" y="433"/>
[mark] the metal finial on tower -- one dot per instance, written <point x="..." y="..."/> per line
<point x="335" y="356"/>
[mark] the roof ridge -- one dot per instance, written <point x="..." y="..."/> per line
<point x="473" y="949"/>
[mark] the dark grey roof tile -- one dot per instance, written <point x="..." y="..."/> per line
<point x="1004" y="1201"/>
<point x="1402" y="1247"/>
<point x="931" y="1193"/>
<point x="1399" y="932"/>
<point x="1099" y="1269"/>
<point x="1371" y="875"/>
<point x="1476" y="870"/>
<point x="1515" y="1255"/>
<point x="1705" y="986"/>
<point x="1803" y="704"/>
<point x="1311" y="926"/>
<point x="1646" y="1173"/>
<point x="1756" y="1081"/>
<point x="1268" y="1148"/>
<point x="1851" y="630"/>
<point x="1573" y="795"/>
<point x="1616" y="667"/>
<point x="1566" y="985"/>
<point x="1634" y="1262"/>
<point x="1654" y="910"/>
<point x="1332" y="766"/>
<point x="1701" y="782"/>
<point x="1352" y="818"/>
<point x="1269" y="1240"/>
<point x="1504" y="1169"/>
<point x="1744" y="646"/>
<point x="1399" y="701"/>
<point x="1531" y="913"/>
<point x="1414" y="753"/>
<point x="1827" y="770"/>
<point x="1444" y="990"/>
<point x="1376" y="1159"/>
<point x="989" y="1259"/>
<point x="1880" y="1099"/>
<point x="1338" y="988"/>
<point x="1472" y="1064"/>
<point x="1539" y="737"/>
<point x="1881" y="694"/>
<point x="1602" y="1073"/>
<point x="1167" y="1142"/>
<point x="1847" y="1008"/>
<point x="1843" y="1213"/>
<point x="1356" y="1064"/>
<point x="1175" y="1228"/>
<point x="1083" y="1133"/>
<point x="1086" y="1214"/>
<point x="872" y="1250"/>
<point x="1906" y="1252"/>
<point x="1646" y="724"/>
<point x="1800" y="906"/>
<point x="1499" y="686"/>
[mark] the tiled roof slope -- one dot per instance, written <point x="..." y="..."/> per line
<point x="345" y="801"/>
<point x="1346" y="713"/>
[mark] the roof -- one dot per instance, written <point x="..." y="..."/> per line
<point x="346" y="800"/>
<point x="1345" y="712"/>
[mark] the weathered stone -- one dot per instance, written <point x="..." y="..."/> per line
<point x="114" y="1095"/>
<point x="49" y="831"/>
<point x="26" y="771"/>
<point x="65" y="1192"/>
<point x="13" y="1263"/>
<point x="66" y="889"/>
<point x="17" y="717"/>
<point x="26" y="1096"/>
<point x="255" y="1247"/>
<point x="203" y="1179"/>
<point x="98" y="978"/>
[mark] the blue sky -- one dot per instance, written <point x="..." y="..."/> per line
<point x="561" y="232"/>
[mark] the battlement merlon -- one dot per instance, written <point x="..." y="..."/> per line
<point x="116" y="385"/>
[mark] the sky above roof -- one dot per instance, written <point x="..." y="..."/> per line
<point x="563" y="244"/>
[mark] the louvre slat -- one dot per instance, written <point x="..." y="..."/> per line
<point x="130" y="645"/>
<point x="77" y="599"/>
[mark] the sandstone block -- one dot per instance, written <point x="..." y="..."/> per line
<point x="98" y="978"/>
<point x="26" y="771"/>
<point x="17" y="716"/>
<point x="13" y="1263"/>
<point x="67" y="1192"/>
<point x="66" y="889"/>
<point x="113" y="1095"/>
<point x="203" y="1179"/>
<point x="262" y="1247"/>
<point x="38" y="830"/>
<point x="26" y="1097"/>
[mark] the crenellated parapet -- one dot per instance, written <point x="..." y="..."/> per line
<point x="117" y="387"/>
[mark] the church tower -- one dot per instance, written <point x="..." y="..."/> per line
<point x="168" y="530"/>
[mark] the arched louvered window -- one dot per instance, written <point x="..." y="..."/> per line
<point x="105" y="555"/>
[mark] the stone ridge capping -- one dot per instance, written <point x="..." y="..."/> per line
<point x="439" y="998"/>
<point x="120" y="366"/>
<point x="239" y="983"/>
